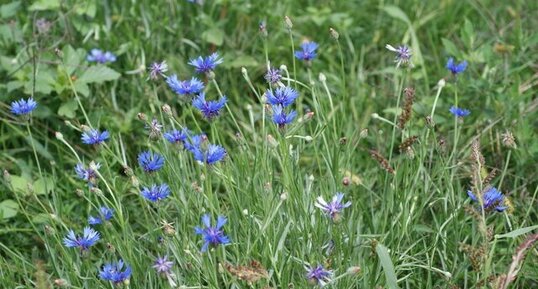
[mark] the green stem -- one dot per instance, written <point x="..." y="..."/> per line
<point x="33" y="149"/>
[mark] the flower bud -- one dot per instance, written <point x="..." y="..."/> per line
<point x="167" y="110"/>
<point x="333" y="33"/>
<point x="353" y="270"/>
<point x="346" y="181"/>
<point x="59" y="135"/>
<point x="288" y="23"/>
<point x="322" y="77"/>
<point x="141" y="116"/>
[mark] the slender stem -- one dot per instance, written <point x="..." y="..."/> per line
<point x="33" y="148"/>
<point x="399" y="92"/>
<point x="76" y="96"/>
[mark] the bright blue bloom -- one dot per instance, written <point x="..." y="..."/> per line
<point x="403" y="54"/>
<point x="282" y="96"/>
<point x="492" y="199"/>
<point x="177" y="136"/>
<point x="99" y="56"/>
<point x="113" y="272"/>
<point x="162" y="265"/>
<point x="150" y="162"/>
<point x="157" y="68"/>
<point x="334" y="208"/>
<point x="213" y="236"/>
<point x="456" y="68"/>
<point x="209" y="109"/>
<point x="211" y="155"/>
<point x="195" y="142"/>
<point x="94" y="137"/>
<point x="308" y="51"/>
<point x="459" y="112"/>
<point x="281" y="118"/>
<point x="206" y="64"/>
<point x="185" y="87"/>
<point x="84" y="242"/>
<point x="273" y="75"/>
<point x="318" y="275"/>
<point x="156" y="193"/>
<point x="22" y="107"/>
<point x="87" y="174"/>
<point x="105" y="214"/>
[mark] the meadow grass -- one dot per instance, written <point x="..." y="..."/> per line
<point x="379" y="133"/>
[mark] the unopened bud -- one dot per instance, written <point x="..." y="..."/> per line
<point x="283" y="67"/>
<point x="346" y="181"/>
<point x="375" y="115"/>
<point x="244" y="71"/>
<point x="7" y="176"/>
<point x="342" y="141"/>
<point x="441" y="83"/>
<point x="167" y="110"/>
<point x="322" y="77"/>
<point x="283" y="196"/>
<point x="142" y="116"/>
<point x="288" y="23"/>
<point x="353" y="270"/>
<point x="429" y="122"/>
<point x="135" y="182"/>
<point x="85" y="128"/>
<point x="58" y="52"/>
<point x="508" y="140"/>
<point x="263" y="28"/>
<point x="60" y="283"/>
<point x="308" y="116"/>
<point x="79" y="193"/>
<point x="333" y="33"/>
<point x="245" y="212"/>
<point x="272" y="141"/>
<point x="48" y="230"/>
<point x="210" y="75"/>
<point x="363" y="133"/>
<point x="59" y="135"/>
<point x="308" y="138"/>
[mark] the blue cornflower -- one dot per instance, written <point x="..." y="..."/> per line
<point x="209" y="109"/>
<point x="403" y="54"/>
<point x="318" y="275"/>
<point x="177" y="136"/>
<point x="308" y="51"/>
<point x="87" y="174"/>
<point x="456" y="68"/>
<point x="113" y="272"/>
<point x="162" y="265"/>
<point x="94" y="137"/>
<point x="206" y="64"/>
<point x="157" y="68"/>
<point x="281" y="118"/>
<point x="213" y="236"/>
<point x="195" y="142"/>
<point x="105" y="214"/>
<point x="334" y="208"/>
<point x="185" y="87"/>
<point x="155" y="193"/>
<point x="282" y="96"/>
<point x="84" y="242"/>
<point x="459" y="112"/>
<point x="211" y="155"/>
<point x="273" y="75"/>
<point x="491" y="199"/>
<point x="99" y="56"/>
<point x="150" y="162"/>
<point x="22" y="107"/>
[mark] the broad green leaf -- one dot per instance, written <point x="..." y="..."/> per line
<point x="98" y="74"/>
<point x="8" y="209"/>
<point x="450" y="47"/>
<point x="214" y="35"/>
<point x="44" y="5"/>
<point x="244" y="60"/>
<point x="19" y="184"/>
<point x="68" y="109"/>
<point x="43" y="186"/>
<point x="10" y="9"/>
<point x="41" y="218"/>
<point x="44" y="82"/>
<point x="517" y="232"/>
<point x="72" y="58"/>
<point x="388" y="267"/>
<point x="39" y="148"/>
<point x="396" y="12"/>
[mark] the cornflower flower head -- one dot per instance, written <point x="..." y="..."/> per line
<point x="84" y="242"/>
<point x="213" y="236"/>
<point x="105" y="214"/>
<point x="284" y="96"/>
<point x="308" y="51"/>
<point x="158" y="69"/>
<point x="150" y="162"/>
<point x="262" y="26"/>
<point x="195" y="142"/>
<point x="334" y="208"/>
<point x="206" y="64"/>
<point x="185" y="87"/>
<point x="459" y="112"/>
<point x="94" y="137"/>
<point x="491" y="199"/>
<point x="99" y="56"/>
<point x="156" y="193"/>
<point x="88" y="174"/>
<point x="318" y="275"/>
<point x="155" y="128"/>
<point x="23" y="107"/>
<point x="209" y="109"/>
<point x="456" y="68"/>
<point x="403" y="54"/>
<point x="281" y="118"/>
<point x="211" y="155"/>
<point x="162" y="265"/>
<point x="273" y="75"/>
<point x="115" y="273"/>
<point x="177" y="136"/>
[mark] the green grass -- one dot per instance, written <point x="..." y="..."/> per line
<point x="413" y="229"/>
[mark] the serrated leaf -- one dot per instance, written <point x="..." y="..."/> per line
<point x="68" y="109"/>
<point x="43" y="186"/>
<point x="8" y="209"/>
<point x="98" y="74"/>
<point x="396" y="12"/>
<point x="388" y="267"/>
<point x="214" y="35"/>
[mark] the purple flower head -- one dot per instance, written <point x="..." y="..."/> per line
<point x="150" y="162"/>
<point x="213" y="236"/>
<point x="209" y="109"/>
<point x="155" y="193"/>
<point x="206" y="64"/>
<point x="157" y="69"/>
<point x="211" y="155"/>
<point x="105" y="214"/>
<point x="195" y="142"/>
<point x="273" y="75"/>
<point x="84" y="242"/>
<point x="88" y="174"/>
<point x="185" y="87"/>
<point x="22" y="107"/>
<point x="459" y="112"/>
<point x="281" y="118"/>
<point x="333" y="208"/>
<point x="308" y="51"/>
<point x="94" y="137"/>
<point x="177" y="136"/>
<point x="456" y="68"/>
<point x="403" y="54"/>
<point x="115" y="273"/>
<point x="154" y="128"/>
<point x="318" y="275"/>
<point x="284" y="96"/>
<point x="491" y="199"/>
<point x="162" y="265"/>
<point x="99" y="56"/>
